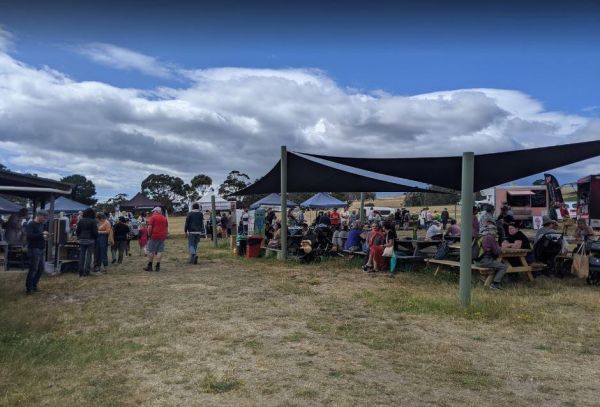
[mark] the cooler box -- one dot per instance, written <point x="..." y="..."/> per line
<point x="240" y="243"/>
<point x="253" y="246"/>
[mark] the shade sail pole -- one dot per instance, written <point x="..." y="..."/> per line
<point x="213" y="219"/>
<point x="362" y="207"/>
<point x="466" y="229"/>
<point x="284" y="225"/>
<point x="51" y="237"/>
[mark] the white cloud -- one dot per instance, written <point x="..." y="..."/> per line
<point x="236" y="118"/>
<point x="123" y="58"/>
<point x="6" y="39"/>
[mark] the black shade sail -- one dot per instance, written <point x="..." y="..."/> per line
<point x="305" y="175"/>
<point x="490" y="169"/>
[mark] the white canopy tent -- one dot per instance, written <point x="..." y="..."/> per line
<point x="221" y="203"/>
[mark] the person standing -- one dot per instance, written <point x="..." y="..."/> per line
<point x="158" y="230"/>
<point x="445" y="217"/>
<point x="334" y="217"/>
<point x="224" y="223"/>
<point x="87" y="233"/>
<point x="121" y="231"/>
<point x="36" y="242"/>
<point x="101" y="254"/>
<point x="194" y="228"/>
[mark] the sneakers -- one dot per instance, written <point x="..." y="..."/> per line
<point x="367" y="269"/>
<point x="148" y="267"/>
<point x="495" y="286"/>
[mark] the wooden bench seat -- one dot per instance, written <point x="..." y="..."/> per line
<point x="356" y="253"/>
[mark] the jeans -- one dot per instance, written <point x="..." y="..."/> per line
<point x="86" y="248"/>
<point x="193" y="240"/>
<point x="36" y="268"/>
<point x="101" y="254"/>
<point x="121" y="247"/>
<point x="500" y="267"/>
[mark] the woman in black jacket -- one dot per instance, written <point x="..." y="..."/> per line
<point x="120" y="232"/>
<point x="87" y="232"/>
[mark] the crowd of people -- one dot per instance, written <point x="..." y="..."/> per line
<point x="342" y="231"/>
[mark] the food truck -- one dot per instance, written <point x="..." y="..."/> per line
<point x="588" y="200"/>
<point x="525" y="201"/>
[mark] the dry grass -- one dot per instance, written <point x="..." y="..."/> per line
<point x="232" y="331"/>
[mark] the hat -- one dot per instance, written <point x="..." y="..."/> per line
<point x="546" y="220"/>
<point x="42" y="212"/>
<point x="157" y="209"/>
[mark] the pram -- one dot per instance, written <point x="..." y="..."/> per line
<point x="320" y="245"/>
<point x="593" y="248"/>
<point x="547" y="249"/>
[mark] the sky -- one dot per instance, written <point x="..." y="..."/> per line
<point x="119" y="90"/>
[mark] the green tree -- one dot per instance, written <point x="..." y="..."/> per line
<point x="111" y="204"/>
<point x="234" y="182"/>
<point x="539" y="182"/>
<point x="3" y="168"/>
<point x="201" y="183"/>
<point x="165" y="189"/>
<point x="82" y="190"/>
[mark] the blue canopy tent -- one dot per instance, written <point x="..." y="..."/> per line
<point x="7" y="206"/>
<point x="322" y="200"/>
<point x="67" y="205"/>
<point x="271" y="200"/>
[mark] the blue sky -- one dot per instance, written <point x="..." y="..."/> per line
<point x="549" y="57"/>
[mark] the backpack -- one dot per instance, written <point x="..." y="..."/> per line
<point x="442" y="251"/>
<point x="477" y="251"/>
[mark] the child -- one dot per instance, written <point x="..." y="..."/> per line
<point x="143" y="238"/>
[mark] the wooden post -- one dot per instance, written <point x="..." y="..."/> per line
<point x="466" y="229"/>
<point x="284" y="225"/>
<point x="213" y="220"/>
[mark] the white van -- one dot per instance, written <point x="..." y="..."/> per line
<point x="383" y="211"/>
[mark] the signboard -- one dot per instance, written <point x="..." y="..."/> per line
<point x="259" y="222"/>
<point x="537" y="222"/>
<point x="250" y="223"/>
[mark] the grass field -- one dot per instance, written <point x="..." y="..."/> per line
<point x="243" y="332"/>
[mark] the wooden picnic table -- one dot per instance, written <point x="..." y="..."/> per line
<point x="507" y="253"/>
<point x="416" y="246"/>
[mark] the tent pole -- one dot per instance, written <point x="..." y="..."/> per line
<point x="284" y="225"/>
<point x="213" y="219"/>
<point x="51" y="236"/>
<point x="466" y="230"/>
<point x="362" y="208"/>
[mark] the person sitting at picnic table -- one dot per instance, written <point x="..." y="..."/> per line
<point x="548" y="226"/>
<point x="489" y="255"/>
<point x="453" y="229"/>
<point x="375" y="243"/>
<point x="342" y="236"/>
<point x="274" y="242"/>
<point x="270" y="216"/>
<point x="475" y="224"/>
<point x="487" y="218"/>
<point x="515" y="239"/>
<point x="322" y="219"/>
<point x="353" y="242"/>
<point x="434" y="232"/>
<point x="583" y="231"/>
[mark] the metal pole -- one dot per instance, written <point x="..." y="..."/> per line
<point x="213" y="219"/>
<point x="362" y="207"/>
<point x="284" y="225"/>
<point x="466" y="230"/>
<point x="51" y="237"/>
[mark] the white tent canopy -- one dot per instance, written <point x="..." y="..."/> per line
<point x="221" y="203"/>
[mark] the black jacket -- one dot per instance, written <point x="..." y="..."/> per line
<point x="87" y="228"/>
<point x="120" y="231"/>
<point x="194" y="222"/>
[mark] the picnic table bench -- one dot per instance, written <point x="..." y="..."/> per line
<point x="520" y="254"/>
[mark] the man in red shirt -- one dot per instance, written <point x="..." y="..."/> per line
<point x="334" y="217"/>
<point x="158" y="230"/>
